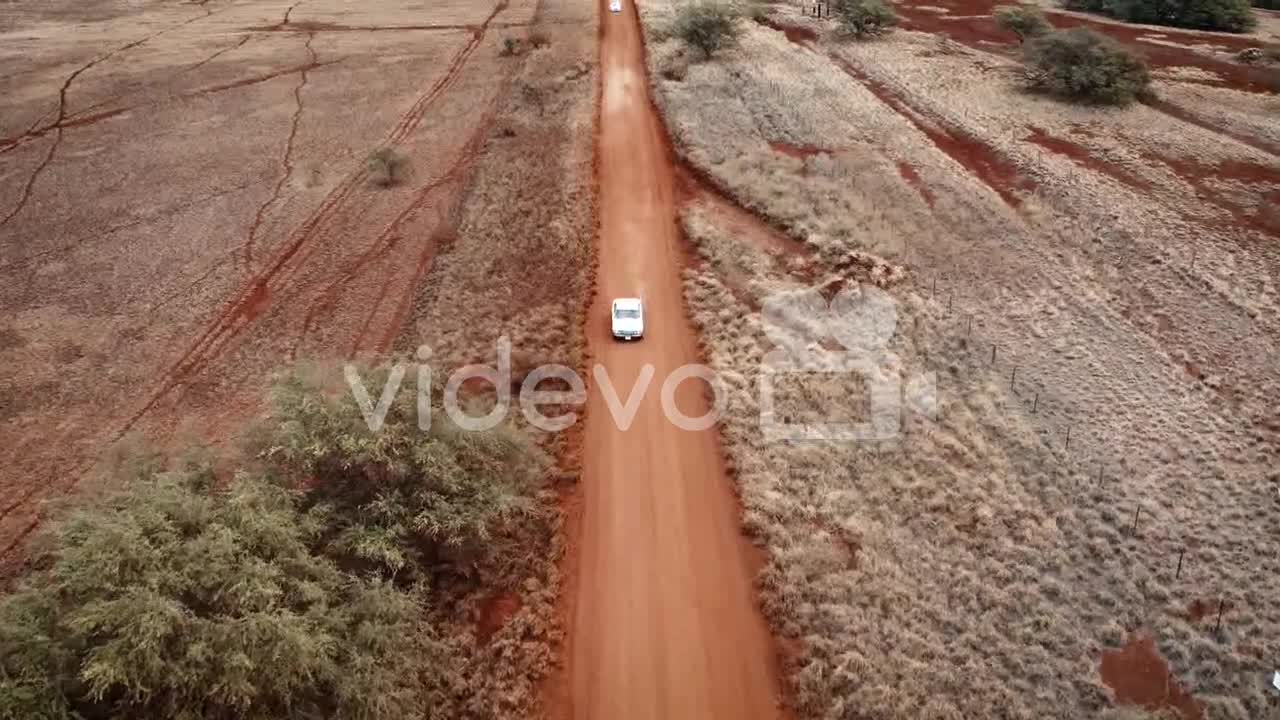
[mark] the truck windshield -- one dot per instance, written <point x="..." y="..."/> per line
<point x="626" y="313"/>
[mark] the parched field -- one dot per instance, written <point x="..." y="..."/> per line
<point x="186" y="208"/>
<point x="185" y="203"/>
<point x="1085" y="524"/>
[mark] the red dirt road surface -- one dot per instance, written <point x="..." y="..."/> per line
<point x="665" y="625"/>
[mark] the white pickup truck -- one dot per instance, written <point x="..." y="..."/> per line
<point x="627" y="319"/>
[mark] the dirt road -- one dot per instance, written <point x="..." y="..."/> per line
<point x="665" y="624"/>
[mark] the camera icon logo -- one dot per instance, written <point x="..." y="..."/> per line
<point x="848" y="335"/>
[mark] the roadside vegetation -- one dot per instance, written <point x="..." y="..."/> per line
<point x="1082" y="65"/>
<point x="324" y="578"/>
<point x="1227" y="15"/>
<point x="708" y="26"/>
<point x="1025" y="21"/>
<point x="865" y="18"/>
<point x="913" y="165"/>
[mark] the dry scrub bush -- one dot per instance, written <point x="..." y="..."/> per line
<point x="1255" y="55"/>
<point x="172" y="599"/>
<point x="1025" y="21"/>
<point x="1082" y="65"/>
<point x="1228" y="15"/>
<point x="386" y="167"/>
<point x="865" y="18"/>
<point x="707" y="25"/>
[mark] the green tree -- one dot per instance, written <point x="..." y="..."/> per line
<point x="401" y="499"/>
<point x="865" y="18"/>
<point x="1228" y="15"/>
<point x="1082" y="65"/>
<point x="1024" y="21"/>
<point x="169" y="599"/>
<point x="707" y="25"/>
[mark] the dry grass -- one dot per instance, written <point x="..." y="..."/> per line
<point x="977" y="563"/>
<point x="517" y="265"/>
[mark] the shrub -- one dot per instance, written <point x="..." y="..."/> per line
<point x="169" y="599"/>
<point x="758" y="10"/>
<point x="1250" y="56"/>
<point x="1024" y="21"/>
<point x="386" y="166"/>
<point x="1229" y="15"/>
<point x="864" y="18"/>
<point x="509" y="46"/>
<point x="1268" y="4"/>
<point x="1079" y="64"/>
<point x="399" y="499"/>
<point x="708" y="26"/>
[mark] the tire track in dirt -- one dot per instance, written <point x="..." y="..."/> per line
<point x="982" y="161"/>
<point x="88" y="117"/>
<point x="286" y="161"/>
<point x="975" y="156"/>
<point x="20" y="538"/>
<point x="245" y="307"/>
<point x="314" y="26"/>
<point x="36" y="129"/>
<point x="1178" y="112"/>
<point x="23" y="263"/>
<point x="61" y="113"/>
<point x="230" y="48"/>
<point x="410" y="121"/>
<point x="390" y="237"/>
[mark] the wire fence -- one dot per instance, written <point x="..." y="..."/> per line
<point x="1075" y="459"/>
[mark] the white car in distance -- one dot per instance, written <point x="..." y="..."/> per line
<point x="627" y="319"/>
<point x="615" y="6"/>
